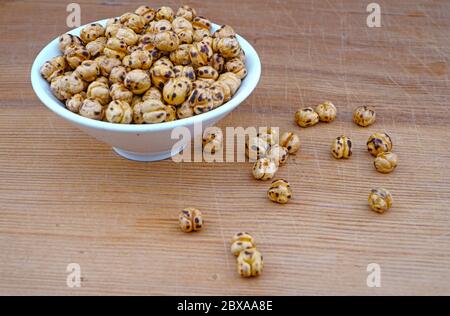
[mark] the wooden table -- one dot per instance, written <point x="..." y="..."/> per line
<point x="67" y="198"/>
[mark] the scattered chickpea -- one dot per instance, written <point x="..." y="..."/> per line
<point x="380" y="200"/>
<point x="278" y="154"/>
<point x="379" y="143"/>
<point x="241" y="241"/>
<point x="279" y="191"/>
<point x="385" y="162"/>
<point x="306" y="117"/>
<point x="341" y="147"/>
<point x="264" y="169"/>
<point x="212" y="140"/>
<point x="290" y="141"/>
<point x="364" y="116"/>
<point x="250" y="263"/>
<point x="190" y="220"/>
<point x="326" y="111"/>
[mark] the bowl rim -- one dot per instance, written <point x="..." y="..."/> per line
<point x="58" y="107"/>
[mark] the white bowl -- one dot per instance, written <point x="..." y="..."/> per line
<point x="147" y="142"/>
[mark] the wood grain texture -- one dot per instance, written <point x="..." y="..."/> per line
<point x="65" y="197"/>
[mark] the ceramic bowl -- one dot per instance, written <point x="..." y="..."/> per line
<point x="146" y="142"/>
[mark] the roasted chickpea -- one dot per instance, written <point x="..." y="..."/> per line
<point x="217" y="94"/>
<point x="150" y="111"/>
<point x="161" y="74"/>
<point x="250" y="263"/>
<point x="139" y="59"/>
<point x="133" y="21"/>
<point x="229" y="47"/>
<point x="326" y="111"/>
<point x="68" y="39"/>
<point x="99" y="91"/>
<point x="306" y="117"/>
<point x="278" y="154"/>
<point x="185" y="111"/>
<point x="201" y="34"/>
<point x="181" y="55"/>
<point x="119" y="92"/>
<point x="224" y="31"/>
<point x="290" y="141"/>
<point x="264" y="169"/>
<point x="92" y="109"/>
<point x="279" y="191"/>
<point x="117" y="75"/>
<point x="190" y="220"/>
<point x="106" y="64"/>
<point x="97" y="46"/>
<point x="74" y="103"/>
<point x="65" y="86"/>
<point x="115" y="48"/>
<point x="92" y="32"/>
<point x="200" y="54"/>
<point x="222" y="86"/>
<point x="165" y="13"/>
<point x="236" y="66"/>
<point x="201" y="100"/>
<point x="207" y="72"/>
<point x="212" y="140"/>
<point x="88" y="70"/>
<point x="217" y="62"/>
<point x="270" y="135"/>
<point x="119" y="112"/>
<point x="180" y="23"/>
<point x="75" y="55"/>
<point x="200" y="22"/>
<point x="156" y="27"/>
<point x="53" y="68"/>
<point x="186" y="12"/>
<point x="240" y="242"/>
<point x="385" y="162"/>
<point x="167" y="41"/>
<point x="127" y="35"/>
<point x="171" y="113"/>
<point x="341" y="147"/>
<point x="137" y="81"/>
<point x="185" y="36"/>
<point x="364" y="116"/>
<point x="380" y="200"/>
<point x="379" y="143"/>
<point x="231" y="80"/>
<point x="176" y="90"/>
<point x="152" y="93"/>
<point x="146" y="12"/>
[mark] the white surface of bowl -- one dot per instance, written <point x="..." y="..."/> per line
<point x="146" y="142"/>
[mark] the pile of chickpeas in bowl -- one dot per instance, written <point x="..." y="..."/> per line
<point x="150" y="66"/>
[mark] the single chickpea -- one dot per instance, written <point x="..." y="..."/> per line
<point x="341" y="147"/>
<point x="279" y="191"/>
<point x="290" y="141"/>
<point x="264" y="169"/>
<point x="379" y="143"/>
<point x="380" y="200"/>
<point x="326" y="111"/>
<point x="364" y="116"/>
<point x="250" y="263"/>
<point x="385" y="162"/>
<point x="306" y="117"/>
<point x="190" y="220"/>
<point x="241" y="241"/>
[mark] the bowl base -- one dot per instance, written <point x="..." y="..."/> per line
<point x="143" y="157"/>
